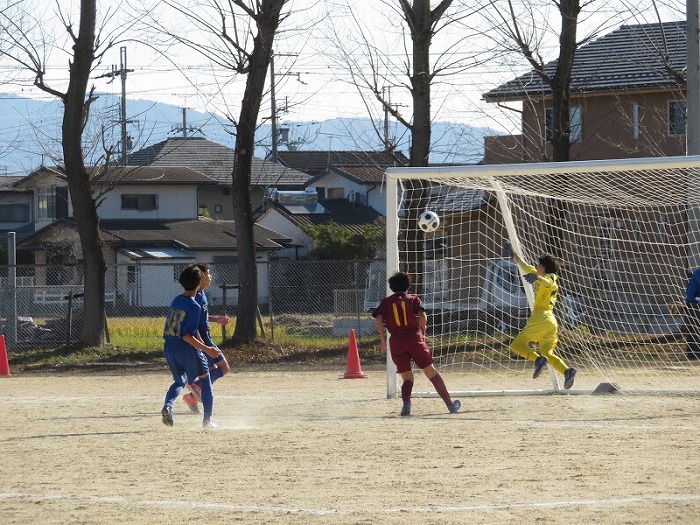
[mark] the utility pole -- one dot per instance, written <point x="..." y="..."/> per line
<point x="386" y="116"/>
<point x="273" y="106"/>
<point x="692" y="124"/>
<point x="386" y="102"/>
<point x="273" y="103"/>
<point x="121" y="72"/>
<point x="692" y="132"/>
<point x="185" y="129"/>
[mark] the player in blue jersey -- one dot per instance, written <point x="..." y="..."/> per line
<point x="692" y="316"/>
<point x="218" y="367"/>
<point x="184" y="349"/>
<point x="542" y="327"/>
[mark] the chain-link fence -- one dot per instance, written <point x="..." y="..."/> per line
<point x="299" y="300"/>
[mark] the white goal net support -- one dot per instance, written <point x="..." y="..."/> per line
<point x="627" y="231"/>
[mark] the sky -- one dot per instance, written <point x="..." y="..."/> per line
<point x="312" y="83"/>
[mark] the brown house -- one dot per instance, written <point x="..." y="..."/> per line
<point x="627" y="100"/>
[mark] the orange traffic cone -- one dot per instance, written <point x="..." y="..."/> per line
<point x="353" y="370"/>
<point x="4" y="364"/>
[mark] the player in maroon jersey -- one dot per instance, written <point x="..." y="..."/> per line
<point x="404" y="317"/>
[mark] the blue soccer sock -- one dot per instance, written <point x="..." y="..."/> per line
<point x="215" y="374"/>
<point x="207" y="397"/>
<point x="172" y="394"/>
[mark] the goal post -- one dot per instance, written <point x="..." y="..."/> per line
<point x="627" y="231"/>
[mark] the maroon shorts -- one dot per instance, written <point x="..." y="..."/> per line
<point x="406" y="347"/>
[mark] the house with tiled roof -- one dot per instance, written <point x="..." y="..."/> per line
<point x="216" y="161"/>
<point x="146" y="256"/>
<point x="16" y="209"/>
<point x="150" y="228"/>
<point x="357" y="176"/>
<point x="289" y="213"/>
<point x="627" y="99"/>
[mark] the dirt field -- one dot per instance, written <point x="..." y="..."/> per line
<point x="303" y="447"/>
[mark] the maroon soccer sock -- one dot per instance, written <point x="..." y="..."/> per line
<point x="439" y="385"/>
<point x="406" y="389"/>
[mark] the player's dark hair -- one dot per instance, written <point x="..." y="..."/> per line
<point x="203" y="266"/>
<point x="190" y="277"/>
<point x="551" y="264"/>
<point x="400" y="282"/>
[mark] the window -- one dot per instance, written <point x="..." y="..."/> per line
<point x="575" y="232"/>
<point x="676" y="117"/>
<point x="140" y="202"/>
<point x="574" y="123"/>
<point x="217" y="208"/>
<point x="662" y="222"/>
<point x="14" y="213"/>
<point x="635" y="120"/>
<point x="46" y="203"/>
<point x="336" y="193"/>
<point x="177" y="270"/>
<point x="606" y="234"/>
<point x="131" y="274"/>
<point x="321" y="191"/>
<point x="638" y="225"/>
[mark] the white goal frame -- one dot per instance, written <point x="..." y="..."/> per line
<point x="500" y="171"/>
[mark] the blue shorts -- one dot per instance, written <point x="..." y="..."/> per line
<point x="189" y="362"/>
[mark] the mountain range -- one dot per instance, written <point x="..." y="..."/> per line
<point x="30" y="131"/>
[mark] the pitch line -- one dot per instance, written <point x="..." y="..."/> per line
<point x="324" y="512"/>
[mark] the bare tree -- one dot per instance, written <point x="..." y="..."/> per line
<point x="522" y="29"/>
<point x="238" y="36"/>
<point x="521" y="35"/>
<point x="528" y="31"/>
<point x="26" y="41"/>
<point x="377" y="71"/>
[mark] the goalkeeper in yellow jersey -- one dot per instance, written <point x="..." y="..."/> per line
<point x="542" y="326"/>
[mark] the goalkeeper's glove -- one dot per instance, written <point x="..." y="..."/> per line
<point x="531" y="277"/>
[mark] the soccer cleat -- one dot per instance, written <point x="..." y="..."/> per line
<point x="208" y="424"/>
<point x="569" y="375"/>
<point x="456" y="405"/>
<point x="196" y="391"/>
<point x="406" y="409"/>
<point x="540" y="363"/>
<point x="167" y="416"/>
<point x="191" y="402"/>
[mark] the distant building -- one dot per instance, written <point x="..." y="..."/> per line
<point x="627" y="100"/>
<point x="356" y="176"/>
<point x="216" y="162"/>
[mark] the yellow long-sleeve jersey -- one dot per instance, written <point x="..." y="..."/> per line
<point x="545" y="288"/>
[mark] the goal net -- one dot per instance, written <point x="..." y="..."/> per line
<point x="627" y="231"/>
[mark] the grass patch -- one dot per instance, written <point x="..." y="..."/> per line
<point x="76" y="356"/>
<point x="139" y="341"/>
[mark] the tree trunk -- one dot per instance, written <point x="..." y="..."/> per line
<point x="561" y="83"/>
<point x="420" y="21"/>
<point x="561" y="119"/>
<point x="76" y="108"/>
<point x="421" y="78"/>
<point x="267" y="21"/>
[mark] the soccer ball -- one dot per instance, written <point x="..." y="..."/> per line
<point x="428" y="221"/>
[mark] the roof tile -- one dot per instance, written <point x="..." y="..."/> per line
<point x="631" y="57"/>
<point x="215" y="161"/>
